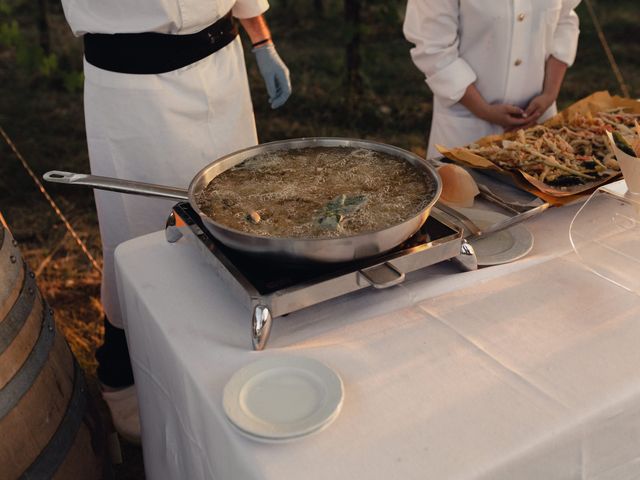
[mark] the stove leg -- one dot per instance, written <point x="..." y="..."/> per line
<point x="467" y="259"/>
<point x="171" y="231"/>
<point x="260" y="326"/>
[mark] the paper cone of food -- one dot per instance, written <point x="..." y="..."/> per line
<point x="629" y="164"/>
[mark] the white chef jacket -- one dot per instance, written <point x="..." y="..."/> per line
<point x="162" y="16"/>
<point x="501" y="45"/>
<point x="160" y="128"/>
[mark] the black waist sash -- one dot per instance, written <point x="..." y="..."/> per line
<point x="150" y="52"/>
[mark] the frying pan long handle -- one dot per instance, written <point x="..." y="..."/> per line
<point x="117" y="185"/>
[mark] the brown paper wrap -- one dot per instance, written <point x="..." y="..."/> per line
<point x="596" y="102"/>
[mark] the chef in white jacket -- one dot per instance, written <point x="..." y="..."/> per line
<point x="166" y="93"/>
<point x="492" y="65"/>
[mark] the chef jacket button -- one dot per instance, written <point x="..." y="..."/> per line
<point x="521" y="17"/>
<point x="518" y="62"/>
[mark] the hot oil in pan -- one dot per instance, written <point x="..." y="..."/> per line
<point x="317" y="192"/>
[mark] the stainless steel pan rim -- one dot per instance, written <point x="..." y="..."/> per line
<point x="296" y="249"/>
<point x="203" y="177"/>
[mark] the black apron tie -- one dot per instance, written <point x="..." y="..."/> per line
<point x="151" y="52"/>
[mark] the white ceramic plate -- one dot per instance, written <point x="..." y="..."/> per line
<point x="500" y="247"/>
<point x="283" y="397"/>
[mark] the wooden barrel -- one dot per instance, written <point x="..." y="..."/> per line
<point x="49" y="427"/>
<point x="11" y="272"/>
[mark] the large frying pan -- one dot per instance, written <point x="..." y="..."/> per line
<point x="292" y="249"/>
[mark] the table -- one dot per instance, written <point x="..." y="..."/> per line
<point x="522" y="371"/>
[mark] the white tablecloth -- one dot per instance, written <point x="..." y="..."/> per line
<point x="529" y="370"/>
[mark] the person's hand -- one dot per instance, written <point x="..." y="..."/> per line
<point x="537" y="106"/>
<point x="275" y="74"/>
<point x="507" y="116"/>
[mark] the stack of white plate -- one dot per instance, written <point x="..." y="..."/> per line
<point x="280" y="398"/>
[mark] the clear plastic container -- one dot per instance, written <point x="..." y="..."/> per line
<point x="605" y="234"/>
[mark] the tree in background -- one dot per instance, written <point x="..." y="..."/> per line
<point x="25" y="29"/>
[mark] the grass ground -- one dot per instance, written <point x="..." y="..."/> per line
<point x="45" y="121"/>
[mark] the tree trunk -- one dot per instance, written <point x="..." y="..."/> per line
<point x="352" y="13"/>
<point x="318" y="6"/>
<point x="43" y="26"/>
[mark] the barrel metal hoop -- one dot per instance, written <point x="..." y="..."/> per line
<point x="22" y="381"/>
<point x="17" y="316"/>
<point x="51" y="457"/>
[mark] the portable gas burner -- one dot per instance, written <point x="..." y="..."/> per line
<point x="271" y="288"/>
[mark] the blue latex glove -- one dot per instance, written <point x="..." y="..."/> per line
<point x="275" y="74"/>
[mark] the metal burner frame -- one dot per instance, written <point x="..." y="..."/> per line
<point x="380" y="272"/>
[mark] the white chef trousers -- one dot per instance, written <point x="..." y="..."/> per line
<point x="160" y="129"/>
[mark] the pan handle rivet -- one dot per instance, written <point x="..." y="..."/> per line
<point x="13" y="259"/>
<point x="14" y="242"/>
<point x="32" y="275"/>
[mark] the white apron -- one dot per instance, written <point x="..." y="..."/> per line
<point x="454" y="129"/>
<point x="160" y="129"/>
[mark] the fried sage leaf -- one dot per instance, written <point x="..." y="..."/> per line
<point x="337" y="209"/>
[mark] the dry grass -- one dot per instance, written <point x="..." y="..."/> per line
<point x="68" y="281"/>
